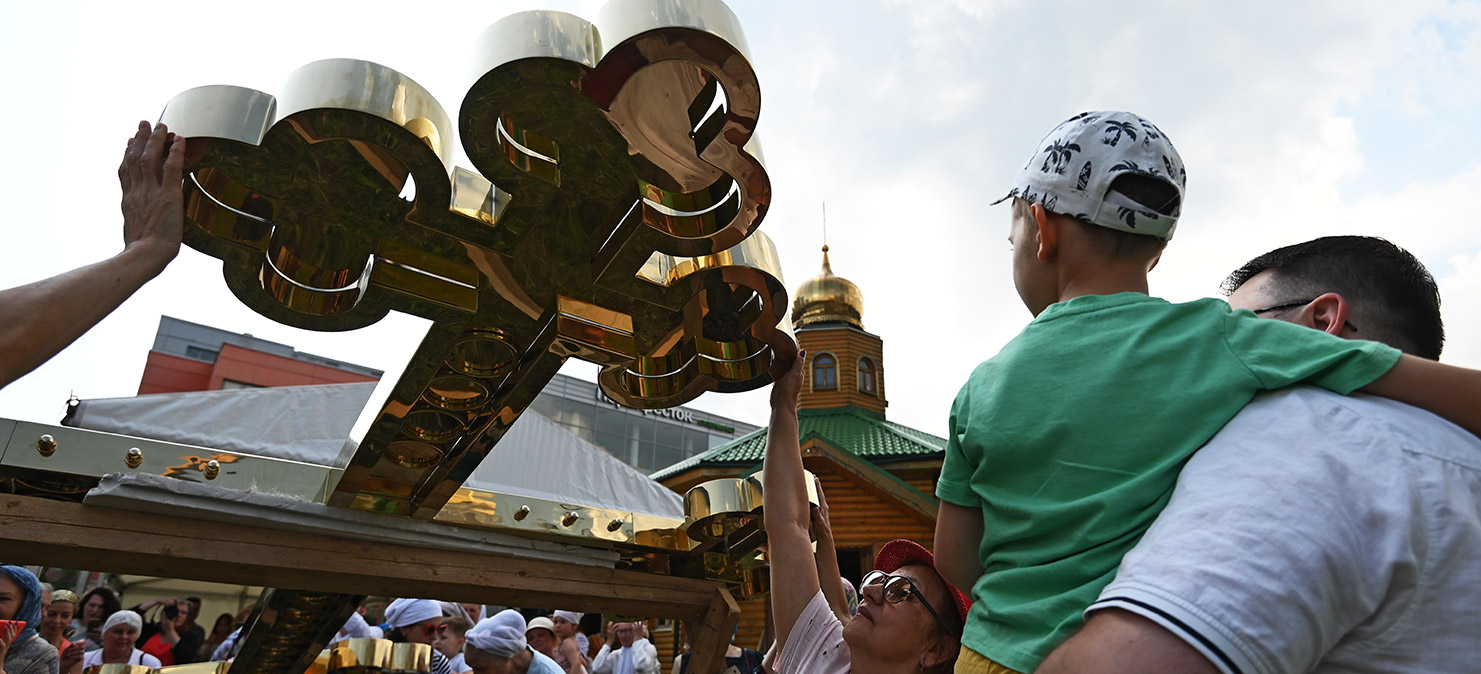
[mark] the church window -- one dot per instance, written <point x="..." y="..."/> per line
<point x="824" y="372"/>
<point x="867" y="383"/>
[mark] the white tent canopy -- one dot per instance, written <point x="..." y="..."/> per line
<point x="311" y="424"/>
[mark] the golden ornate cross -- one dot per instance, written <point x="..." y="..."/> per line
<point x="612" y="219"/>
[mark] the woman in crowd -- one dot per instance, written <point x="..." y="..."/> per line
<point x="418" y="621"/>
<point x="120" y="632"/>
<point x="219" y="632"/>
<point x="570" y="649"/>
<point x="909" y="618"/>
<point x="56" y="621"/>
<point x="22" y="650"/>
<point x="540" y="634"/>
<point x="173" y="615"/>
<point x="97" y="606"/>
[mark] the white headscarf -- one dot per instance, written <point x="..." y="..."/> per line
<point x="124" y="618"/>
<point x="570" y="616"/>
<point x="403" y="612"/>
<point x="502" y="636"/>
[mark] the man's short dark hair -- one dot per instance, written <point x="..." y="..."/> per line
<point x="1391" y="296"/>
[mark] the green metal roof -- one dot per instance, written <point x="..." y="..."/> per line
<point x="852" y="429"/>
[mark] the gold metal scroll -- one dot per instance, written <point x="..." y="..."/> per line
<point x="612" y="219"/>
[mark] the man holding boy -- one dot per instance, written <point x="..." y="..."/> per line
<point x="1063" y="448"/>
<point x="1314" y="533"/>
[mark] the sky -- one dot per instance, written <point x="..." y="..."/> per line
<point x="1295" y="120"/>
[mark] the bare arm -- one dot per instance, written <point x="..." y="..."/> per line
<point x="40" y="319"/>
<point x="826" y="558"/>
<point x="1118" y="642"/>
<point x="794" y="580"/>
<point x="958" y="539"/>
<point x="1449" y="391"/>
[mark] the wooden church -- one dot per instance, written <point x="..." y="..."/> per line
<point x="879" y="477"/>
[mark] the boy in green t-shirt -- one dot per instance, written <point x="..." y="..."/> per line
<point x="1065" y="446"/>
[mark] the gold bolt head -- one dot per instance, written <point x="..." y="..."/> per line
<point x="212" y="469"/>
<point x="570" y="518"/>
<point x="614" y="525"/>
<point x="46" y="445"/>
<point x="134" y="457"/>
<point x="523" y="512"/>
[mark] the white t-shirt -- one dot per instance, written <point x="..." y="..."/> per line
<point x="1317" y="533"/>
<point x="138" y="657"/>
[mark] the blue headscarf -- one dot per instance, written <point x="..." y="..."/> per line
<point x="30" y="610"/>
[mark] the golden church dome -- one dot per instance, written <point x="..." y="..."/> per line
<point x="826" y="298"/>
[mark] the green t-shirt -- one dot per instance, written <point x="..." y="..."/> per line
<point x="1070" y="440"/>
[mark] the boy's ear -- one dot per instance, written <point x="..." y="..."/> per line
<point x="1047" y="238"/>
<point x="1327" y="313"/>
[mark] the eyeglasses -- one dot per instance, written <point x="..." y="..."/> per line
<point x="434" y="630"/>
<point x="1301" y="303"/>
<point x="897" y="589"/>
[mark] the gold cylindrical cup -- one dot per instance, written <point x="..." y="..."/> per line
<point x="408" y="657"/>
<point x="360" y="654"/>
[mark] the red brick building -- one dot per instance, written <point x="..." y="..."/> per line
<point x="192" y="357"/>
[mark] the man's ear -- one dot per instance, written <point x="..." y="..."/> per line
<point x="1327" y="313"/>
<point x="1047" y="238"/>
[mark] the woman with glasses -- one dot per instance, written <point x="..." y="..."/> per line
<point x="418" y="621"/>
<point x="909" y="618"/>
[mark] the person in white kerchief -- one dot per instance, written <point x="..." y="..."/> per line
<point x="497" y="646"/>
<point x="635" y="655"/>
<point x="418" y="621"/>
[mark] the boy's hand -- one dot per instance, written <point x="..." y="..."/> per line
<point x="786" y="389"/>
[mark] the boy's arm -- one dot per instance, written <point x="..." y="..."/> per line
<point x="1446" y="390"/>
<point x="958" y="537"/>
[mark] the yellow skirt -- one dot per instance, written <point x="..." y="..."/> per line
<point x="972" y="662"/>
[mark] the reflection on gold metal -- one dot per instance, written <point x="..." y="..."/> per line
<point x="523" y="512"/>
<point x="119" y="668"/>
<point x="289" y="629"/>
<point x="133" y="457"/>
<point x="612" y="219"/>
<point x="356" y="653"/>
<point x="212" y="469"/>
<point x="72" y="473"/>
<point x="570" y="518"/>
<point x="196" y="668"/>
<point x="410" y="657"/>
<point x="615" y="524"/>
<point x="46" y="445"/>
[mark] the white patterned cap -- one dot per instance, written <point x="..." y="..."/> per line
<point x="1072" y="170"/>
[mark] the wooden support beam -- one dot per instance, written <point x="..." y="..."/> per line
<point x="76" y="536"/>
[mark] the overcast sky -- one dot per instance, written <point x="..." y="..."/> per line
<point x="1295" y="120"/>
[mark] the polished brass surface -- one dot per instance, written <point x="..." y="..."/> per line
<point x="289" y="628"/>
<point x="133" y="457"/>
<point x="410" y="657"/>
<point x="826" y="298"/>
<point x="91" y="454"/>
<point x="46" y="445"/>
<point x="212" y="469"/>
<point x="369" y="653"/>
<point x="119" y="668"/>
<point x="612" y="218"/>
<point x="196" y="668"/>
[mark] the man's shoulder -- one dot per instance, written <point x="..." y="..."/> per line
<point x="1347" y="421"/>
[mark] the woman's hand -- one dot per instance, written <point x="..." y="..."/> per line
<point x="786" y="389"/>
